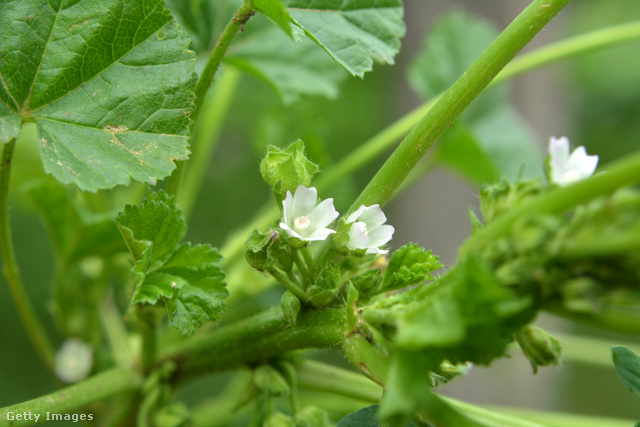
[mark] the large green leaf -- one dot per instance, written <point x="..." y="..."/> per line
<point x="628" y="367"/>
<point x="292" y="69"/>
<point x="356" y="33"/>
<point x="107" y="83"/>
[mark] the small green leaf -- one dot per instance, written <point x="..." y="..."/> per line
<point x="108" y="85"/>
<point x="312" y="416"/>
<point x="628" y="367"/>
<point x="365" y="417"/>
<point x="155" y="221"/>
<point x="408" y="266"/>
<point x="356" y="33"/>
<point x="285" y="170"/>
<point x="187" y="279"/>
<point x="269" y="380"/>
<point x="324" y="288"/>
<point x="277" y="12"/>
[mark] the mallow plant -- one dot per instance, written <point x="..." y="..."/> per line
<point x="123" y="104"/>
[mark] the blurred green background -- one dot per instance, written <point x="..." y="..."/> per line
<point x="593" y="99"/>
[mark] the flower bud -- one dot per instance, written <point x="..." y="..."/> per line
<point x="539" y="347"/>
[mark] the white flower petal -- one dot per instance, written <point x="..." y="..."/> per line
<point x="323" y="214"/>
<point x="381" y="235"/>
<point x="580" y="162"/>
<point x="559" y="153"/>
<point x="373" y="217"/>
<point x="290" y="231"/>
<point x="303" y="202"/>
<point x="286" y="208"/>
<point x="320" y="234"/>
<point x="354" y="216"/>
<point x="375" y="250"/>
<point x="358" y="239"/>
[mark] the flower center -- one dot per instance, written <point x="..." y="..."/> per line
<point x="571" y="176"/>
<point x="302" y="222"/>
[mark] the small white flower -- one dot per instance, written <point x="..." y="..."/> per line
<point x="73" y="361"/>
<point x="566" y="169"/>
<point x="303" y="219"/>
<point x="368" y="231"/>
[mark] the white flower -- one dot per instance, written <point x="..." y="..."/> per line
<point x="566" y="169"/>
<point x="368" y="231"/>
<point x="73" y="361"/>
<point x="303" y="219"/>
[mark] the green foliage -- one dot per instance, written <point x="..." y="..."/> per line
<point x="187" y="279"/>
<point x="491" y="141"/>
<point x="408" y="266"/>
<point x="277" y="12"/>
<point x="108" y="86"/>
<point x="539" y="347"/>
<point x="356" y="33"/>
<point x="628" y="367"/>
<point x="285" y="170"/>
<point x="293" y="70"/>
<point x="365" y="417"/>
<point x="264" y="250"/>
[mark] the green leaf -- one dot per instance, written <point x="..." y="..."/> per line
<point x="156" y="221"/>
<point x="187" y="279"/>
<point x="292" y="69"/>
<point x="108" y="85"/>
<point x="628" y="367"/>
<point x="277" y="12"/>
<point x="356" y="33"/>
<point x="408" y="266"/>
<point x="365" y="417"/>
<point x="324" y="288"/>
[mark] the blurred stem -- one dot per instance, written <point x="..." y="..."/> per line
<point x="242" y="15"/>
<point x="319" y="376"/>
<point x="205" y="136"/>
<point x="372" y="148"/>
<point x="455" y="100"/>
<point x="99" y="387"/>
<point x="147" y="324"/>
<point x="27" y="314"/>
<point x="554" y="419"/>
<point x="115" y="331"/>
<point x="623" y="172"/>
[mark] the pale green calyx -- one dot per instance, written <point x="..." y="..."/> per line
<point x="565" y="168"/>
<point x="368" y="230"/>
<point x="285" y="170"/>
<point x="305" y="220"/>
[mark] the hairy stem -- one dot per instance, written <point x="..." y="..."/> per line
<point x="255" y="339"/>
<point x="242" y="15"/>
<point x="456" y="99"/>
<point x="101" y="386"/>
<point x="27" y="314"/>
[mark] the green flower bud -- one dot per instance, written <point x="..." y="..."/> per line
<point x="539" y="347"/>
<point x="312" y="416"/>
<point x="285" y="170"/>
<point x="278" y="419"/>
<point x="263" y="250"/>
<point x="324" y="289"/>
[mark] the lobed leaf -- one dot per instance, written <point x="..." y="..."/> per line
<point x="277" y="12"/>
<point x="188" y="280"/>
<point x="108" y="85"/>
<point x="356" y="33"/>
<point x="408" y="266"/>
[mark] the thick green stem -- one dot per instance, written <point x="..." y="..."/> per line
<point x="242" y="15"/>
<point x="27" y="314"/>
<point x="456" y="99"/>
<point x="147" y="325"/>
<point x="257" y="338"/>
<point x="99" y="387"/>
<point x="620" y="173"/>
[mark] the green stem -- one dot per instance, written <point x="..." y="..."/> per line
<point x="318" y="376"/>
<point x="99" y="387"/>
<point x="242" y="15"/>
<point x="27" y="314"/>
<point x="623" y="172"/>
<point x="147" y="324"/>
<point x="551" y="419"/>
<point x="308" y="258"/>
<point x="304" y="271"/>
<point x="456" y="99"/>
<point x="205" y="136"/>
<point x="372" y="148"/>
<point x="255" y="339"/>
<point x="287" y="283"/>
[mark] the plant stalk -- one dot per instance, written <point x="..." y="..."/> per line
<point x="27" y="313"/>
<point x="99" y="387"/>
